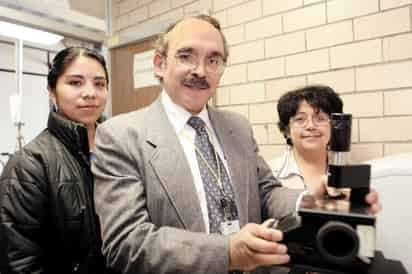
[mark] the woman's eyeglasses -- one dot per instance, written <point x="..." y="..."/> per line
<point x="318" y="120"/>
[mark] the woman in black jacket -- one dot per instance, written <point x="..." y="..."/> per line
<point x="46" y="204"/>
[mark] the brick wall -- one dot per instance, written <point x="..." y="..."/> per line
<point x="139" y="15"/>
<point x="362" y="48"/>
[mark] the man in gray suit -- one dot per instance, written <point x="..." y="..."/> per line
<point x="155" y="208"/>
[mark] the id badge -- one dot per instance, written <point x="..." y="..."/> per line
<point x="229" y="227"/>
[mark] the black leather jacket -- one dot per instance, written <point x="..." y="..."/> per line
<point x="47" y="209"/>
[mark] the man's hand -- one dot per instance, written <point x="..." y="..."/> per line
<point x="256" y="245"/>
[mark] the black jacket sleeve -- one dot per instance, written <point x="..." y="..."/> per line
<point x="23" y="209"/>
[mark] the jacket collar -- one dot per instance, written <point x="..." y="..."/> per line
<point x="73" y="135"/>
<point x="170" y="164"/>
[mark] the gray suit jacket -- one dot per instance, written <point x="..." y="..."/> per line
<point x="146" y="199"/>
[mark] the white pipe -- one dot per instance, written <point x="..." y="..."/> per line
<point x="19" y="67"/>
<point x="19" y="83"/>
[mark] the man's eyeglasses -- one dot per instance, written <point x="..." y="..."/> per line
<point x="318" y="120"/>
<point x="213" y="64"/>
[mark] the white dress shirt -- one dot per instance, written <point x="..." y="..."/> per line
<point x="178" y="117"/>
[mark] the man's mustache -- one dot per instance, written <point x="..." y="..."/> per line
<point x="196" y="82"/>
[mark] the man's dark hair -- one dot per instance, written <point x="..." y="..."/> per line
<point x="321" y="98"/>
<point x="65" y="57"/>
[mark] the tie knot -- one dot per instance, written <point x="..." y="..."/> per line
<point x="197" y="123"/>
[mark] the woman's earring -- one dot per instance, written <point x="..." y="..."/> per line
<point x="53" y="105"/>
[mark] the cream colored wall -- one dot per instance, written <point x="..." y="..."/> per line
<point x="363" y="49"/>
<point x="141" y="15"/>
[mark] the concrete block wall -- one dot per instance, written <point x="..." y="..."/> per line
<point x="139" y="14"/>
<point x="363" y="49"/>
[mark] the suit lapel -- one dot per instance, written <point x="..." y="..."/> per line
<point x="236" y="161"/>
<point x="170" y="165"/>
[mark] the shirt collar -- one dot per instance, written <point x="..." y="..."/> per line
<point x="179" y="116"/>
<point x="289" y="165"/>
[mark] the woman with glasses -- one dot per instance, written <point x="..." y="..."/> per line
<point x="304" y="120"/>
